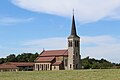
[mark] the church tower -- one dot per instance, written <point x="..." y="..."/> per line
<point x="74" y="57"/>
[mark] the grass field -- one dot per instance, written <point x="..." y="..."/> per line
<point x="104" y="74"/>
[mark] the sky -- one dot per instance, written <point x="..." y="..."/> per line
<point x="29" y="26"/>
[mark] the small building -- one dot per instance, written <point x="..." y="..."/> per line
<point x="8" y="68"/>
<point x="69" y="59"/>
<point x="22" y="66"/>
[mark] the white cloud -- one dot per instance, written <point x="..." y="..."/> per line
<point x="85" y="10"/>
<point x="49" y="43"/>
<point x="109" y="52"/>
<point x="98" y="40"/>
<point x="107" y="47"/>
<point x="12" y="20"/>
<point x="33" y="46"/>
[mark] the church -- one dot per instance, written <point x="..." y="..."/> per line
<point x="68" y="59"/>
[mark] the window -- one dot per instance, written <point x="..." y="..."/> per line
<point x="46" y="67"/>
<point x="76" y="66"/>
<point x="65" y="62"/>
<point x="38" y="67"/>
<point x="42" y="66"/>
<point x="54" y="67"/>
<point x="76" y="54"/>
<point x="70" y="43"/>
<point x="70" y="65"/>
<point x="76" y="43"/>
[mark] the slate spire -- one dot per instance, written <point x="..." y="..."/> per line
<point x="73" y="28"/>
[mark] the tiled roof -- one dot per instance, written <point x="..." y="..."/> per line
<point x="5" y="66"/>
<point x="56" y="63"/>
<point x="45" y="59"/>
<point x="54" y="53"/>
<point x="20" y="63"/>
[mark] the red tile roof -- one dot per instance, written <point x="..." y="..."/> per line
<point x="5" y="66"/>
<point x="54" y="53"/>
<point x="45" y="59"/>
<point x="18" y="64"/>
<point x="56" y="63"/>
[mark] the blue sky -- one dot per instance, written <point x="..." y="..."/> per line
<point x="31" y="25"/>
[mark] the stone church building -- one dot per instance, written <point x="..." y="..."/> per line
<point x="69" y="59"/>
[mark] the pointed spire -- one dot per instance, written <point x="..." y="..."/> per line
<point x="73" y="29"/>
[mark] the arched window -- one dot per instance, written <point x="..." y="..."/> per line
<point x="76" y="54"/>
<point x="76" y="43"/>
<point x="76" y="66"/>
<point x="70" y="65"/>
<point x="66" y="62"/>
<point x="54" y="67"/>
<point x="70" y="43"/>
<point x="42" y="66"/>
<point x="38" y="67"/>
<point x="46" y="67"/>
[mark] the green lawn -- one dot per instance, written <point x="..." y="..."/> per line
<point x="103" y="74"/>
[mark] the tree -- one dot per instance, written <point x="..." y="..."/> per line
<point x="26" y="57"/>
<point x="2" y="60"/>
<point x="96" y="64"/>
<point x="11" y="58"/>
<point x="86" y="63"/>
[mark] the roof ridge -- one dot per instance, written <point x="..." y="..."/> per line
<point x="57" y="50"/>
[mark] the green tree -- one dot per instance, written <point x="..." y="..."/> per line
<point x="2" y="60"/>
<point x="86" y="63"/>
<point x="11" y="58"/>
<point x="26" y="57"/>
<point x="96" y="64"/>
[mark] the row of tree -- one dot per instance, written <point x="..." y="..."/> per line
<point x="24" y="57"/>
<point x="91" y="63"/>
<point x="87" y="63"/>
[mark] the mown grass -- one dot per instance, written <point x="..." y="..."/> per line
<point x="101" y="74"/>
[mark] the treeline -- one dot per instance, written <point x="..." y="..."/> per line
<point x="87" y="63"/>
<point x="91" y="63"/>
<point x="24" y="57"/>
